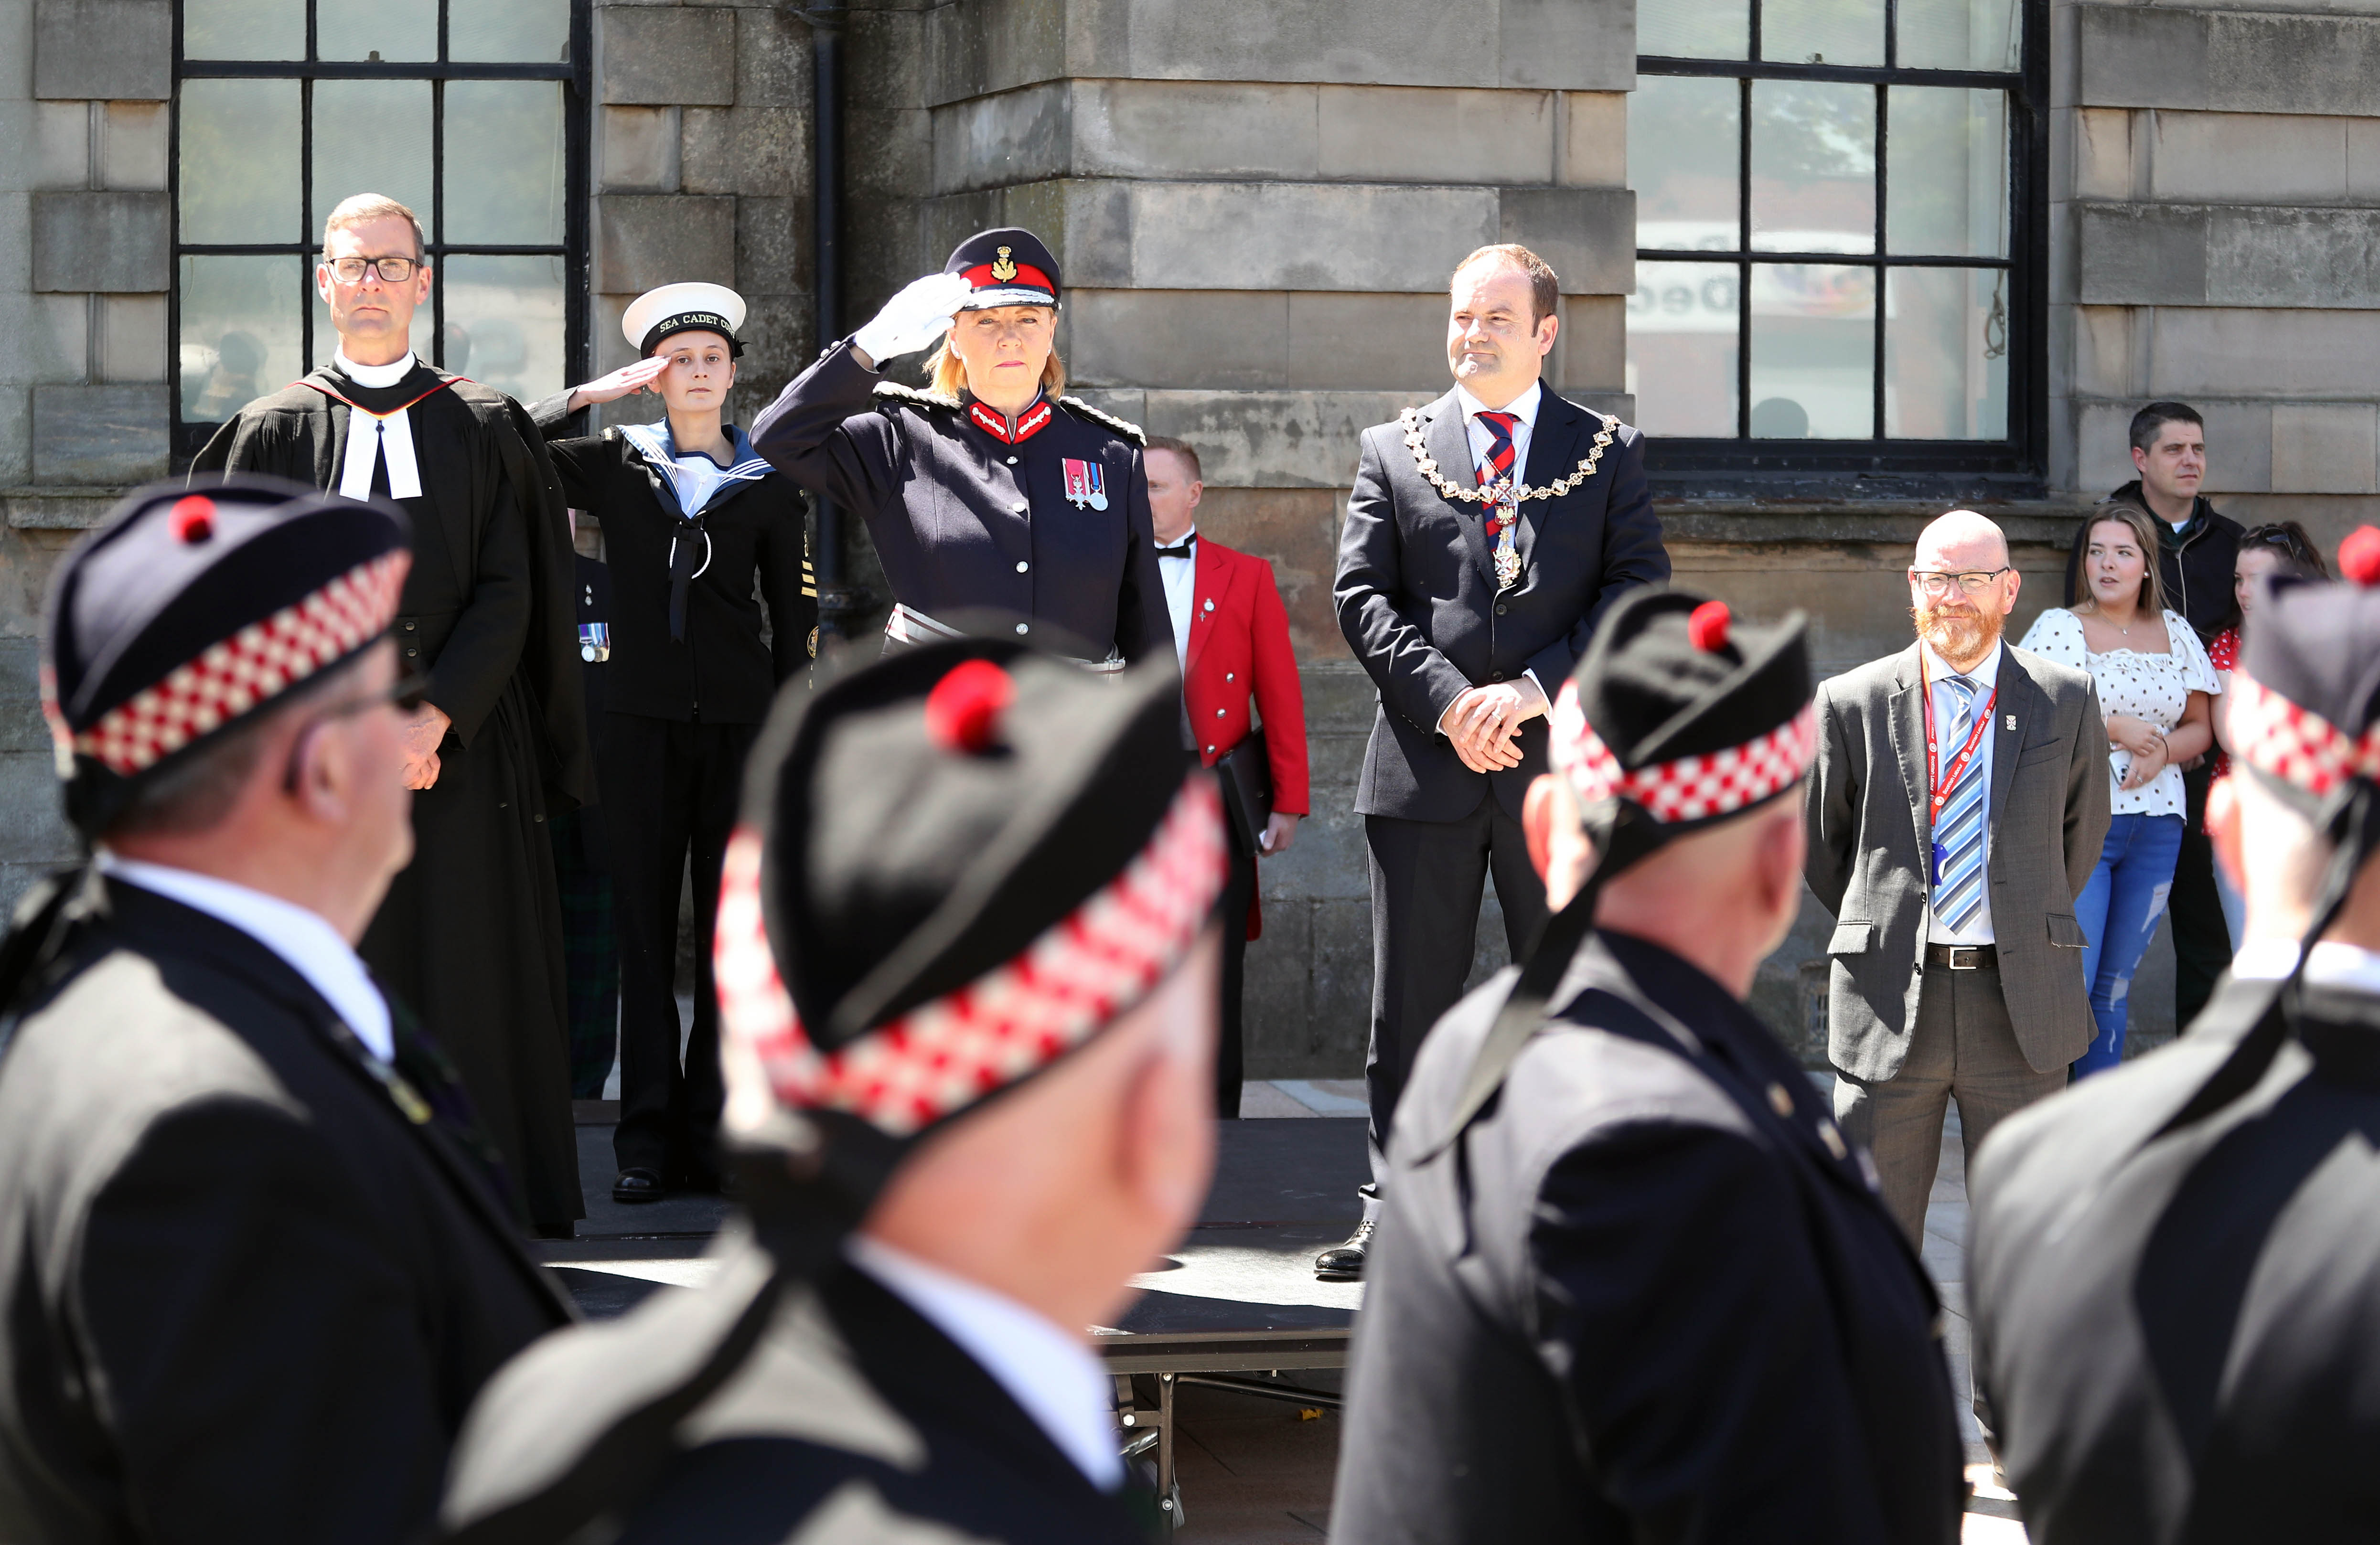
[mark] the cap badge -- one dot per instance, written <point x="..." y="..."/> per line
<point x="1003" y="267"/>
<point x="1084" y="485"/>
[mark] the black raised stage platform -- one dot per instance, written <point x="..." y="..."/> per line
<point x="1236" y="1306"/>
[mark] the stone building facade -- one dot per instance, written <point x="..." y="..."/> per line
<point x="1257" y="209"/>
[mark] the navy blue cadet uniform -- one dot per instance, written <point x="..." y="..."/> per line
<point x="1043" y="517"/>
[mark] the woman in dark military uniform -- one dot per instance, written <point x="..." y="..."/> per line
<point x="987" y="492"/>
<point x="691" y="519"/>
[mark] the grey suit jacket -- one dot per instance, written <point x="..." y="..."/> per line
<point x="1871" y="830"/>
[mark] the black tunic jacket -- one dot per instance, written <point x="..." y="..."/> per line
<point x="964" y="522"/>
<point x="249" y="1297"/>
<point x="721" y="672"/>
<point x="2181" y="1338"/>
<point x="761" y="1408"/>
<point x="1418" y="602"/>
<point x="1643" y="1299"/>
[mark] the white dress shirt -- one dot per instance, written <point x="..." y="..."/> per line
<point x="1525" y="408"/>
<point x="1045" y="1370"/>
<point x="312" y="946"/>
<point x="1179" y="577"/>
<point x="371" y="436"/>
<point x="2332" y="964"/>
<point x="1979" y="931"/>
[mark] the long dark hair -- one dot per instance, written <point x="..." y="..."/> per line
<point x="2296" y="550"/>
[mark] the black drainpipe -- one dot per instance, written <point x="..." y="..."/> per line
<point x="837" y="603"/>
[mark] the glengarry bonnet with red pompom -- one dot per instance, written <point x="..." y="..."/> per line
<point x="954" y="866"/>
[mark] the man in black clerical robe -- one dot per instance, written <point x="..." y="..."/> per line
<point x="470" y="937"/>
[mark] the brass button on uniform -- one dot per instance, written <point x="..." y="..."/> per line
<point x="1833" y="1140"/>
<point x="1779" y="1101"/>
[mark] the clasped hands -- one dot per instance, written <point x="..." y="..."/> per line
<point x="424" y="729"/>
<point x="1485" y="722"/>
<point x="2146" y="744"/>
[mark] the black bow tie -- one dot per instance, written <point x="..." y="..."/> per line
<point x="1187" y="548"/>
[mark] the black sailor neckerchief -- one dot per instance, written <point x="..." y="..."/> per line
<point x="654" y="445"/>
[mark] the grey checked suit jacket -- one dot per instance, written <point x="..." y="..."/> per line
<point x="1870" y="831"/>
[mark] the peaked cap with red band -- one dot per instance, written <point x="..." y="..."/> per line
<point x="192" y="608"/>
<point x="956" y="865"/>
<point x="1008" y="267"/>
<point x="2306" y="714"/>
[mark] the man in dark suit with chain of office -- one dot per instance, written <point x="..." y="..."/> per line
<point x="256" y="1259"/>
<point x="1487" y="535"/>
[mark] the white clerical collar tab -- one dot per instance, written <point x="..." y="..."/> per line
<point x="370" y="437"/>
<point x="374" y="375"/>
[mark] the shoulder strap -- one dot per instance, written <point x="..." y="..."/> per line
<point x="1124" y="427"/>
<point x="896" y="392"/>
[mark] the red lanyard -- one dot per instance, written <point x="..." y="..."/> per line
<point x="1938" y="786"/>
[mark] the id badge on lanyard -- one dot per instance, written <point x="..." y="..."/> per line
<point x="1940" y="784"/>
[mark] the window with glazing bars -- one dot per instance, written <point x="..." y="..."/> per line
<point x="1840" y="233"/>
<point x="470" y="111"/>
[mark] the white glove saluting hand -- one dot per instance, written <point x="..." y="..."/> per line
<point x="915" y="317"/>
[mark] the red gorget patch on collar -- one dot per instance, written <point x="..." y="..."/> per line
<point x="1034" y="420"/>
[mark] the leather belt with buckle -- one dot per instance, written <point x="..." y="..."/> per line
<point x="1964" y="957"/>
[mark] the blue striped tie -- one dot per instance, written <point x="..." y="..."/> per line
<point x="1959" y="830"/>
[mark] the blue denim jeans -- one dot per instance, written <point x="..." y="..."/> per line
<point x="2119" y="911"/>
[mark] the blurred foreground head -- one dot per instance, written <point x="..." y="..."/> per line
<point x="2298" y="824"/>
<point x="966" y="968"/>
<point x="220" y="688"/>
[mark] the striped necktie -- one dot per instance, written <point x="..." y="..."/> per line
<point x="1959" y="830"/>
<point x="1499" y="446"/>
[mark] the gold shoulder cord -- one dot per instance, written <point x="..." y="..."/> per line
<point x="1411" y="419"/>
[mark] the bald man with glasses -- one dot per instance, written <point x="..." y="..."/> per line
<point x="1955" y="811"/>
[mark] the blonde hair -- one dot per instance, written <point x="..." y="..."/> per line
<point x="2151" y="582"/>
<point x="947" y="372"/>
<point x="365" y="208"/>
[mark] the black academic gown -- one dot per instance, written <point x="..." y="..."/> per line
<point x="763" y="1407"/>
<point x="1644" y="1299"/>
<point x="470" y="936"/>
<point x="2180" y="1335"/>
<point x="253" y="1276"/>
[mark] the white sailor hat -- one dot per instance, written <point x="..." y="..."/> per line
<point x="689" y="307"/>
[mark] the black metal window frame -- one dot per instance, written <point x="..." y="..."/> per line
<point x="578" y="81"/>
<point x="2013" y="467"/>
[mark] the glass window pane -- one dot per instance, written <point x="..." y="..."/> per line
<point x="372" y="136"/>
<point x="504" y="162"/>
<point x="1959" y="34"/>
<point x="239" y="161"/>
<point x="503" y="324"/>
<point x="1681" y="341"/>
<point x="1813" y="166"/>
<point x="1683" y="149"/>
<point x="1822" y="32"/>
<point x="243" y="28"/>
<point x="1946" y="184"/>
<point x="1695" y="29"/>
<point x="1813" y="352"/>
<point x="532" y="31"/>
<point x="1945" y="354"/>
<point x="239" y="332"/>
<point x="386" y="30"/>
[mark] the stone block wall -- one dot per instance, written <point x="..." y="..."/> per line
<point x="701" y="150"/>
<point x="2215" y="196"/>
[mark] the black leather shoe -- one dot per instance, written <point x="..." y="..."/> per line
<point x="1345" y="1263"/>
<point x="638" y="1185"/>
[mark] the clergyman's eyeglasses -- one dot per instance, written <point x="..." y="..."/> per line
<point x="1973" y="582"/>
<point x="392" y="270"/>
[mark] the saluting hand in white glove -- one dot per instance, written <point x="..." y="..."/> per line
<point x="913" y="319"/>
